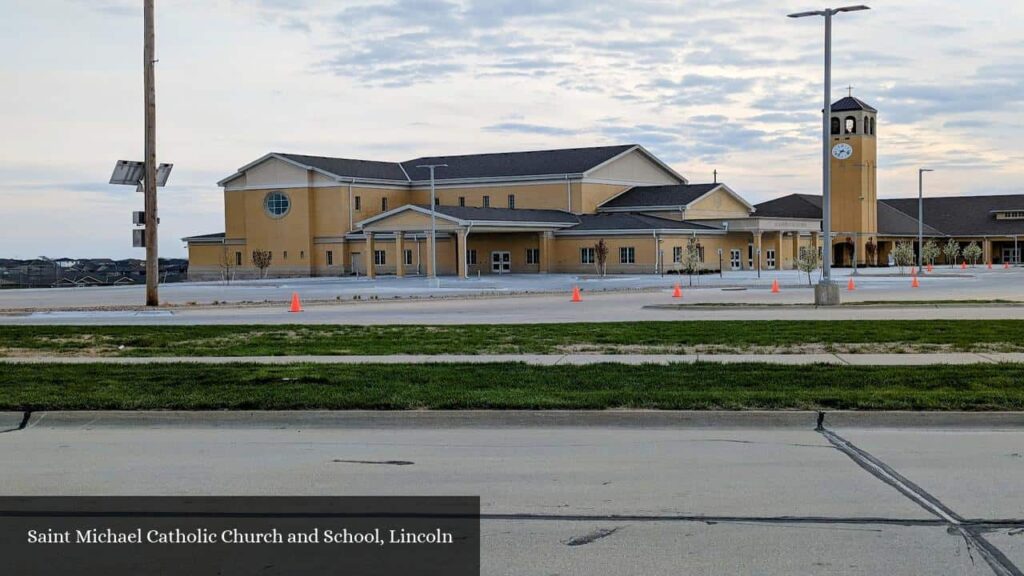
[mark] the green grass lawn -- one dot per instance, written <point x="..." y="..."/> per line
<point x="888" y="335"/>
<point x="509" y="386"/>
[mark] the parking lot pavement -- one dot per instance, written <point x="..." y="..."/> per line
<point x="586" y="493"/>
<point x="733" y="287"/>
<point x="608" y="307"/>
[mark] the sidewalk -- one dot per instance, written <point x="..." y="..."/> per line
<point x="552" y="359"/>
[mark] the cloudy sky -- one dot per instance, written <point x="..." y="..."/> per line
<point x="730" y="85"/>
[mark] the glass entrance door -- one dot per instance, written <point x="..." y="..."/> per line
<point x="734" y="259"/>
<point x="501" y="262"/>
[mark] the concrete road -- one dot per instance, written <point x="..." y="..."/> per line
<point x="593" y="493"/>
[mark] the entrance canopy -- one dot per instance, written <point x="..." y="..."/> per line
<point x="414" y="218"/>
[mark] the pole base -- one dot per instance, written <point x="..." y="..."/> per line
<point x="826" y="294"/>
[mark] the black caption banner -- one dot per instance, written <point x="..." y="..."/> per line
<point x="114" y="536"/>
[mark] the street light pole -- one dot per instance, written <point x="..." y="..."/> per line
<point x="920" y="218"/>
<point x="149" y="181"/>
<point x="433" y="219"/>
<point x="826" y="118"/>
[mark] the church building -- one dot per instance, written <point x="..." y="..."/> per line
<point x="547" y="211"/>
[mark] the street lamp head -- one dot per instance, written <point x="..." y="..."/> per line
<point x="856" y="8"/>
<point x="806" y="14"/>
<point x="925" y="170"/>
<point x="829" y="11"/>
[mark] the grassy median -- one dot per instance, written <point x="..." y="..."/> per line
<point x="509" y="386"/>
<point x="634" y="337"/>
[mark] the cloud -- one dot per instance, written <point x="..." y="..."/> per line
<point x="524" y="128"/>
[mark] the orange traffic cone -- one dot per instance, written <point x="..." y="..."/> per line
<point x="930" y="268"/>
<point x="1006" y="265"/>
<point x="913" y="270"/>
<point x="851" y="286"/>
<point x="296" y="305"/>
<point x="915" y="283"/>
<point x="678" y="292"/>
<point x="989" y="264"/>
<point x="963" y="265"/>
<point x="576" y="294"/>
<point x="775" y="287"/>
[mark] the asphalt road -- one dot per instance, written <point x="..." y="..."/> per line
<point x="594" y="493"/>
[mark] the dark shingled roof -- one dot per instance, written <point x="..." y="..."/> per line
<point x="346" y="167"/>
<point x="791" y="206"/>
<point x="892" y="222"/>
<point x="964" y="215"/>
<point x="673" y="195"/>
<point x="217" y="236"/>
<point x="506" y="164"/>
<point x="506" y="214"/>
<point x="851" y="103"/>
<point x="630" y="221"/>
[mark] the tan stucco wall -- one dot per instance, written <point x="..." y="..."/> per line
<point x="537" y="196"/>
<point x="635" y="167"/>
<point x="718" y="204"/>
<point x="593" y="195"/>
<point x="411" y="221"/>
<point x="854" y="188"/>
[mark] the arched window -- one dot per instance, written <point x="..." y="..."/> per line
<point x="835" y="125"/>
<point x="872" y="122"/>
<point x="851" y="125"/>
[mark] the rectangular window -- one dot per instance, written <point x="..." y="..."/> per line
<point x="285" y="255"/>
<point x="487" y="201"/>
<point x="627" y="255"/>
<point x="302" y="254"/>
<point x="511" y="200"/>
<point x="587" y="256"/>
<point x="533" y="255"/>
<point x="677" y="253"/>
<point x="330" y="257"/>
<point x="359" y="203"/>
<point x="238" y="258"/>
<point x="437" y="201"/>
<point x="700" y="253"/>
<point x="408" y="257"/>
<point x="471" y="257"/>
<point x="379" y="257"/>
<point x="384" y="204"/>
<point x="462" y="200"/>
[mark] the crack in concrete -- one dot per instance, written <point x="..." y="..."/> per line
<point x="591" y="537"/>
<point x="380" y="462"/>
<point x="21" y="426"/>
<point x="972" y="535"/>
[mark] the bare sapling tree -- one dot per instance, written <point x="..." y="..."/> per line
<point x="601" y="257"/>
<point x="808" y="262"/>
<point x="690" y="258"/>
<point x="227" y="266"/>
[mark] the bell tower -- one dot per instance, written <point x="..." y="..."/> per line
<point x="854" y="179"/>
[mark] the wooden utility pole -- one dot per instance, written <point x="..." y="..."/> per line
<point x="149" y="182"/>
